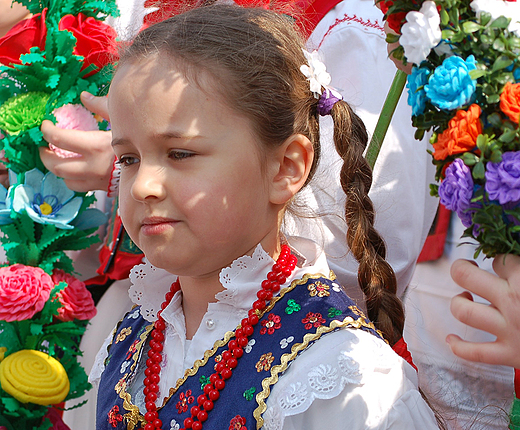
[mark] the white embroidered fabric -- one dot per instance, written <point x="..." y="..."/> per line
<point x="149" y="294"/>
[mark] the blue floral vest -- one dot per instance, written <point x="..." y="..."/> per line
<point x="294" y="320"/>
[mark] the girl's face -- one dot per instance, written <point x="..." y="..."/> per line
<point x="194" y="195"/>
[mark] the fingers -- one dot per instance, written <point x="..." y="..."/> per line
<point x="506" y="266"/>
<point x="98" y="105"/>
<point x="470" y="277"/>
<point x="484" y="352"/>
<point x="477" y="315"/>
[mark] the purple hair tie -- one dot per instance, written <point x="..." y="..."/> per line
<point x="327" y="101"/>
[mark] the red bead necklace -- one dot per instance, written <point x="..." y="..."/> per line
<point x="281" y="270"/>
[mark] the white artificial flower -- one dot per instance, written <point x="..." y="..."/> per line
<point x="315" y="72"/>
<point x="421" y="32"/>
<point x="498" y="8"/>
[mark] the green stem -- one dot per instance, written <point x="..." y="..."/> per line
<point x="385" y="117"/>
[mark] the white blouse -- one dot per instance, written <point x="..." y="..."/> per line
<point x="349" y="378"/>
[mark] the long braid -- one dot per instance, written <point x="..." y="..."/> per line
<point x="375" y="276"/>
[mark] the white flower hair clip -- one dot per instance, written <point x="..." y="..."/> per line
<point x="319" y="80"/>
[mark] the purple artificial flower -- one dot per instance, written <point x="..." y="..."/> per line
<point x="456" y="190"/>
<point x="503" y="179"/>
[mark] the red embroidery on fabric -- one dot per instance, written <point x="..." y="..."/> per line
<point x="238" y="423"/>
<point x="348" y="18"/>
<point x="114" y="417"/>
<point x="271" y="324"/>
<point x="313" y="320"/>
<point x="184" y="400"/>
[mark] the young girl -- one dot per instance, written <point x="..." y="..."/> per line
<point x="215" y="123"/>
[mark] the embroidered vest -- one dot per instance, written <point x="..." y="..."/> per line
<point x="294" y="320"/>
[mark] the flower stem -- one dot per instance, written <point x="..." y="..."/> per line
<point x="385" y="117"/>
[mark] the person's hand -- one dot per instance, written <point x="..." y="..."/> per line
<point x="501" y="318"/>
<point x="91" y="170"/>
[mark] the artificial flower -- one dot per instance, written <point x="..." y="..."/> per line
<point x="497" y="8"/>
<point x="73" y="117"/>
<point x="421" y="32"/>
<point x="416" y="95"/>
<point x="5" y="212"/>
<point x="76" y="300"/>
<point x="23" y="112"/>
<point x="22" y="37"/>
<point x="503" y="179"/>
<point x="95" y="40"/>
<point x="461" y="134"/>
<point x="450" y="86"/>
<point x="32" y="376"/>
<point x="456" y="190"/>
<point x="315" y="72"/>
<point x="46" y="199"/>
<point x="510" y="101"/>
<point x="23" y="291"/>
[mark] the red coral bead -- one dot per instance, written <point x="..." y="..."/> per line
<point x="208" y="405"/>
<point x="220" y="366"/>
<point x="276" y="287"/>
<point x="197" y="425"/>
<point x="147" y="382"/>
<point x="208" y="388"/>
<point x="226" y="373"/>
<point x="160" y="324"/>
<point x="154" y="388"/>
<point x="194" y="411"/>
<point x="253" y="320"/>
<point x="239" y="333"/>
<point x="226" y="355"/>
<point x="248" y="331"/>
<point x="214" y="394"/>
<point x="202" y="416"/>
<point x="220" y="384"/>
<point x="152" y="397"/>
<point x="188" y="422"/>
<point x="155" y="378"/>
<point x="157" y="423"/>
<point x="259" y="304"/>
<point x="271" y="276"/>
<point x="232" y="344"/>
<point x="149" y="426"/>
<point x="242" y="341"/>
<point x="214" y="377"/>
<point x="150" y="416"/>
<point x="201" y="399"/>
<point x="146" y="391"/>
<point x="150" y="407"/>
<point x="238" y="352"/>
<point x="232" y="363"/>
<point x="262" y="294"/>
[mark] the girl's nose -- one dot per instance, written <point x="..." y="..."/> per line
<point x="148" y="183"/>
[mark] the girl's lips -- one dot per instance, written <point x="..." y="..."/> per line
<point x="155" y="225"/>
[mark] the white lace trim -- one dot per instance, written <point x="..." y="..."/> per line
<point x="149" y="285"/>
<point x="243" y="271"/>
<point x="340" y="366"/>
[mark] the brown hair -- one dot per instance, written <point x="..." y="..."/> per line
<point x="255" y="56"/>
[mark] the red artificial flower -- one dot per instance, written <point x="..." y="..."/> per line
<point x="510" y="101"/>
<point x="23" y="291"/>
<point x="461" y="134"/>
<point x="76" y="300"/>
<point x="22" y="37"/>
<point x="95" y="40"/>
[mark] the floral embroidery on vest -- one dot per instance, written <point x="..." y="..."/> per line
<point x="292" y="306"/>
<point x="114" y="417"/>
<point x="333" y="312"/>
<point x="122" y="335"/>
<point x="238" y="423"/>
<point x="313" y="320"/>
<point x="272" y="323"/>
<point x="265" y="362"/>
<point x="184" y="400"/>
<point x="249" y="394"/>
<point x="318" y="289"/>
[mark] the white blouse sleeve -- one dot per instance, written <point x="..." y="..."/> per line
<point x="348" y="379"/>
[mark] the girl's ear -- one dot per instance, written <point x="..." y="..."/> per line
<point x="292" y="165"/>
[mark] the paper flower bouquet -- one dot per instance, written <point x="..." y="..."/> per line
<point x="47" y="61"/>
<point x="465" y="88"/>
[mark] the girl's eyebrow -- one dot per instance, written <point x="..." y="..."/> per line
<point x="160" y="136"/>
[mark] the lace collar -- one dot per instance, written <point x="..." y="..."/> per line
<point x="240" y="280"/>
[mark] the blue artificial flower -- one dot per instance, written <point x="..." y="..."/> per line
<point x="4" y="210"/>
<point x="516" y="74"/>
<point x="46" y="199"/>
<point x="416" y="95"/>
<point x="450" y="87"/>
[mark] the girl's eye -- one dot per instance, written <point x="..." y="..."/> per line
<point x="180" y="155"/>
<point x="126" y="160"/>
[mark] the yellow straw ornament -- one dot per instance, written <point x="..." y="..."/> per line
<point x="32" y="376"/>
